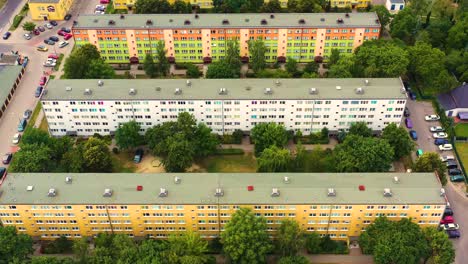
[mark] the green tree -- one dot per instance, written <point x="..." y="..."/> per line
<point x="273" y="6"/>
<point x="162" y="62"/>
<point x="312" y="243"/>
<point x="14" y="246"/>
<point x="157" y="135"/>
<point x="257" y="51"/>
<point x="360" y="154"/>
<point x="86" y="62"/>
<point x="334" y="57"/>
<point x="232" y="54"/>
<point x="96" y="156"/>
<point x="438" y="32"/>
<point x="72" y="161"/>
<point x="291" y="66"/>
<point x="457" y="63"/>
<point x="50" y="260"/>
<point x="419" y="7"/>
<point x="405" y="25"/>
<point x="294" y="260"/>
<point x="430" y="162"/>
<point x="127" y="135"/>
<point x="81" y="250"/>
<point x="221" y="70"/>
<point x="344" y="68"/>
<point x="290" y="238"/>
<point x="265" y="135"/>
<point x="443" y="8"/>
<point x="304" y="6"/>
<point x="29" y="26"/>
<point x="32" y="158"/>
<point x="180" y="154"/>
<point x="383" y="14"/>
<point x="98" y="69"/>
<point x="181" y="7"/>
<point x="192" y="71"/>
<point x="245" y="239"/>
<point x="149" y="66"/>
<point x="441" y="250"/>
<point x="398" y="139"/>
<point x="251" y="6"/>
<point x="205" y="142"/>
<point x="311" y="67"/>
<point x="35" y="136"/>
<point x="152" y="7"/>
<point x="150" y="251"/>
<point x="360" y="129"/>
<point x="188" y="247"/>
<point x="458" y="34"/>
<point x="274" y="159"/>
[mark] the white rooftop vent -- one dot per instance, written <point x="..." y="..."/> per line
<point x="189" y="83"/>
<point x="88" y="91"/>
<point x="275" y="192"/>
<point x="387" y="192"/>
<point x="177" y="180"/>
<point x="286" y="179"/>
<point x="178" y="91"/>
<point x="278" y="82"/>
<point x="68" y="180"/>
<point x="222" y="91"/>
<point x="107" y="193"/>
<point x="396" y="179"/>
<point x="338" y="87"/>
<point x="52" y="192"/>
<point x="359" y="90"/>
<point x="29" y="188"/>
<point x="132" y="91"/>
<point x="402" y="90"/>
<point x="219" y="192"/>
<point x="68" y="88"/>
<point x="331" y="192"/>
<point x="313" y="91"/>
<point x="366" y="82"/>
<point x="442" y="192"/>
<point x="163" y="192"/>
<point x="100" y="83"/>
<point x="268" y="91"/>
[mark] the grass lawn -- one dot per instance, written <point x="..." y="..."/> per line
<point x="229" y="163"/>
<point x="123" y="162"/>
<point x="34" y="115"/>
<point x="462" y="149"/>
<point x="44" y="126"/>
<point x="461" y="130"/>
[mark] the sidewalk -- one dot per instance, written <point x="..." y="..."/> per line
<point x="247" y="147"/>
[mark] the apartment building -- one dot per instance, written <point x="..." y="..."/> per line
<point x="85" y="107"/>
<point x="342" y="205"/>
<point x="202" y="38"/>
<point x="44" y="10"/>
<point x="11" y="76"/>
<point x="349" y="3"/>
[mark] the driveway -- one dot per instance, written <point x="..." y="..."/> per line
<point x="8" y="9"/>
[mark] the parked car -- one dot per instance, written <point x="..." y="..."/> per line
<point x="407" y="86"/>
<point x="61" y="33"/>
<point x="53" y="56"/>
<point x="408" y="123"/>
<point x="22" y="125"/>
<point x="54" y="38"/>
<point x="457" y="178"/>
<point x="436" y="129"/>
<point x="16" y="138"/>
<point x="27" y="36"/>
<point x="50" y="63"/>
<point x="43" y="80"/>
<point x="53" y="23"/>
<point x="451" y="164"/>
<point x="406" y="112"/>
<point x="36" y="32"/>
<point x="42" y="48"/>
<point x="3" y="172"/>
<point x="38" y="91"/>
<point x="447" y="220"/>
<point x="6" y="35"/>
<point x="440" y="135"/>
<point x="41" y="28"/>
<point x="412" y="95"/>
<point x="7" y="158"/>
<point x="432" y="117"/>
<point x="448" y="211"/>
<point x="49" y="42"/>
<point x="449" y="227"/>
<point x="48" y="25"/>
<point x="27" y="114"/>
<point x="453" y="233"/>
<point x="441" y="141"/>
<point x="445" y="147"/>
<point x="104" y="1"/>
<point x="67" y="17"/>
<point x="67" y="36"/>
<point x="454" y="171"/>
<point x="413" y="135"/>
<point x="66" y="30"/>
<point x="419" y="152"/>
<point x="447" y="158"/>
<point x="97" y="12"/>
<point x="63" y="44"/>
<point x="100" y="7"/>
<point x="138" y="156"/>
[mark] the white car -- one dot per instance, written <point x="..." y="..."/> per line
<point x="445" y="147"/>
<point x="63" y="44"/>
<point x="432" y="117"/>
<point x="440" y="135"/>
<point x="27" y="36"/>
<point x="446" y="158"/>
<point x="97" y="12"/>
<point x="436" y="129"/>
<point x="16" y="138"/>
<point x="449" y="227"/>
<point x="48" y="25"/>
<point x="100" y="7"/>
<point x="49" y="64"/>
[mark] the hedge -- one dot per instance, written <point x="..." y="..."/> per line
<point x="229" y="151"/>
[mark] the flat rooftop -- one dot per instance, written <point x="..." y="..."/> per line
<point x="244" y="20"/>
<point x="8" y="76"/>
<point x="199" y="188"/>
<point x="235" y="89"/>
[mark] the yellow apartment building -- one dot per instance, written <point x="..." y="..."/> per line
<point x="48" y="205"/>
<point x="350" y="3"/>
<point x="49" y="9"/>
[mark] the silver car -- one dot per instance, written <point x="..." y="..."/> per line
<point x="27" y="36"/>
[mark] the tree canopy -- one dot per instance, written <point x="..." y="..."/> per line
<point x="399" y="140"/>
<point x="360" y="129"/>
<point x="290" y="238"/>
<point x="127" y="135"/>
<point x="15" y="247"/>
<point x="85" y="63"/>
<point x="265" y="135"/>
<point x="274" y="159"/>
<point x="430" y="162"/>
<point x="257" y="50"/>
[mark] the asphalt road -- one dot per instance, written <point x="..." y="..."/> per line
<point x="7" y="11"/>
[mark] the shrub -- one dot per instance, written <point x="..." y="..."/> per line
<point x="17" y="21"/>
<point x="229" y="151"/>
<point x="115" y="150"/>
<point x="60" y="245"/>
<point x="324" y="245"/>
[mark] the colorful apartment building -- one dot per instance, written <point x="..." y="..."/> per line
<point x="202" y="38"/>
<point x="353" y="4"/>
<point x="49" y="9"/>
<point x="86" y="107"/>
<point x="341" y="205"/>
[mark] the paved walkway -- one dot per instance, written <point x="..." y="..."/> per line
<point x="247" y="147"/>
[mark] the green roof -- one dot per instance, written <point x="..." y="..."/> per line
<point x="236" y="89"/>
<point x="199" y="188"/>
<point x="244" y="20"/>
<point x="8" y="76"/>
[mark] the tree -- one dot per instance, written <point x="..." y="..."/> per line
<point x="205" y="142"/>
<point x="290" y="238"/>
<point x="291" y="66"/>
<point x="96" y="156"/>
<point x="438" y="32"/>
<point x="35" y="136"/>
<point x="457" y="63"/>
<point x="273" y="6"/>
<point x="257" y="51"/>
<point x="181" y="7"/>
<point x="14" y="246"/>
<point x="232" y="55"/>
<point x="180" y="154"/>
<point x="383" y="14"/>
<point x="251" y="6"/>
<point x="245" y="239"/>
<point x="458" y="34"/>
<point x="162" y="61"/>
<point x="51" y="260"/>
<point x="334" y="57"/>
<point x="32" y="158"/>
<point x="274" y="159"/>
<point x="149" y="66"/>
<point x="152" y="7"/>
<point x="312" y="243"/>
<point x="440" y="248"/>
<point x="443" y="8"/>
<point x="72" y="161"/>
<point x="294" y="260"/>
<point x="419" y="7"/>
<point x="81" y="250"/>
<point x="430" y="162"/>
<point x="29" y="26"/>
<point x="360" y="154"/>
<point x="98" y="69"/>
<point x="192" y="71"/>
<point x="221" y="70"/>
<point x="344" y="68"/>
<point x="304" y="6"/>
<point x="360" y="129"/>
<point x="86" y="62"/>
<point x="399" y="140"/>
<point x="149" y="251"/>
<point x="405" y="26"/>
<point x="127" y="136"/>
<point x="265" y="135"/>
<point x="311" y="67"/>
<point x="157" y="135"/>
<point x="188" y="247"/>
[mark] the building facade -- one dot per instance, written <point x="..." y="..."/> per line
<point x="203" y="37"/>
<point x="85" y="107"/>
<point x="49" y="9"/>
<point x="353" y="4"/>
<point x="47" y="206"/>
<point x="395" y="5"/>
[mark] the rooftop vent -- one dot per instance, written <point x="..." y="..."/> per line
<point x="286" y="179"/>
<point x="68" y="88"/>
<point x="301" y="21"/>
<point x="139" y="188"/>
<point x="222" y="91"/>
<point x="347" y="15"/>
<point x="313" y="91"/>
<point x="29" y="188"/>
<point x="225" y="22"/>
<point x="178" y="91"/>
<point x="163" y="192"/>
<point x="247" y="20"/>
<point x="68" y="180"/>
<point x="250" y="188"/>
<point x="188" y="83"/>
<point x="158" y="89"/>
<point x="268" y="91"/>
<point x="278" y="82"/>
<point x="331" y="192"/>
<point x="122" y="16"/>
<point x="263" y="22"/>
<point x="442" y="192"/>
<point x="196" y="16"/>
<point x="362" y="187"/>
<point x="149" y="22"/>
<point x="107" y="193"/>
<point x="377" y="21"/>
<point x="132" y="91"/>
<point x="171" y="20"/>
<point x="187" y="22"/>
<point x="100" y="83"/>
<point x="338" y="87"/>
<point x="366" y="82"/>
<point x="52" y="192"/>
<point x="87" y="91"/>
<point x="340" y="21"/>
<point x="359" y="90"/>
<point x="272" y="16"/>
<point x="111" y="22"/>
<point x="387" y="192"/>
<point x="403" y="90"/>
<point x="322" y="19"/>
<point x="95" y="20"/>
<point x="248" y="88"/>
<point x="177" y="180"/>
<point x="219" y="192"/>
<point x="275" y="192"/>
<point x="396" y="179"/>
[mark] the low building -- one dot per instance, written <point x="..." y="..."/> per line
<point x="86" y="107"/>
<point x="395" y="5"/>
<point x="341" y="205"/>
<point x="49" y="9"/>
<point x="455" y="102"/>
<point x="10" y="76"/>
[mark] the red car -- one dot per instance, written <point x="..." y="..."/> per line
<point x="104" y="1"/>
<point x="53" y="56"/>
<point x="67" y="36"/>
<point x="43" y="80"/>
<point x="61" y="33"/>
<point x="447" y="220"/>
<point x="36" y="32"/>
